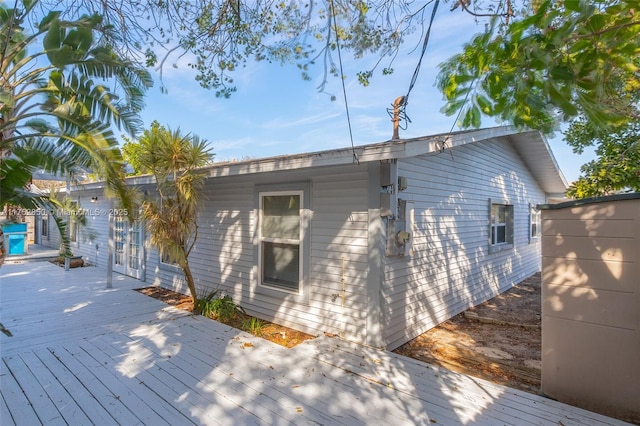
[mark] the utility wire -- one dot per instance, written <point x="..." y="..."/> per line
<point x="425" y="43"/>
<point x="416" y="72"/>
<point x="344" y="89"/>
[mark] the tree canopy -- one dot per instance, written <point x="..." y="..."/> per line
<point x="575" y="62"/>
<point x="565" y="59"/>
<point x="57" y="110"/>
<point x="537" y="64"/>
<point x="175" y="160"/>
<point x="617" y="166"/>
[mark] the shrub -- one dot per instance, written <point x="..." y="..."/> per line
<point x="219" y="308"/>
<point x="253" y="325"/>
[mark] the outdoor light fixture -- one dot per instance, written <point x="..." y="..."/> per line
<point x="94" y="199"/>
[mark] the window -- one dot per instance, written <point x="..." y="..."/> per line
<point x="118" y="241"/>
<point x="501" y="225"/>
<point x="280" y="240"/>
<point x="534" y="222"/>
<point x="73" y="221"/>
<point x="167" y="259"/>
<point x="45" y="226"/>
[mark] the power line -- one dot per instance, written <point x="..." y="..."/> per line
<point x="344" y="89"/>
<point x="403" y="114"/>
<point x="425" y="43"/>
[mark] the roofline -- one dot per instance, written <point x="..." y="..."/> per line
<point x="553" y="159"/>
<point x="387" y="150"/>
<point x="592" y="200"/>
<point x="540" y="161"/>
<point x="390" y="149"/>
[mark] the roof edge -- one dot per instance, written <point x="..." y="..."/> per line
<point x="591" y="200"/>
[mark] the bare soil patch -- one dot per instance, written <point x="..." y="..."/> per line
<point x="74" y="262"/>
<point x="281" y="335"/>
<point x="499" y="340"/>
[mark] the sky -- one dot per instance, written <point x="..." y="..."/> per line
<point x="275" y="112"/>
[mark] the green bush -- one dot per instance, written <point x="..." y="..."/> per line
<point x="253" y="325"/>
<point x="220" y="308"/>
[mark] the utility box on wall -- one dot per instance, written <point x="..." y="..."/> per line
<point x="400" y="231"/>
<point x="591" y="304"/>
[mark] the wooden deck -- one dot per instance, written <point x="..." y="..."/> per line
<point x="81" y="354"/>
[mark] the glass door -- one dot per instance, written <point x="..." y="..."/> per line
<point x="128" y="244"/>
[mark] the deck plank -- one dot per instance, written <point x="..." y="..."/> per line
<point x="57" y="393"/>
<point x="520" y="406"/>
<point x="81" y="353"/>
<point x="34" y="392"/>
<point x="154" y="380"/>
<point x="121" y="387"/>
<point x="5" y="415"/>
<point x="20" y="409"/>
<point x="205" y="369"/>
<point x="96" y="389"/>
<point x="75" y="389"/>
<point x="313" y="385"/>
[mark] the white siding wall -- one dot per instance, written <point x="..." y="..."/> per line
<point x="52" y="239"/>
<point x="96" y="226"/>
<point x="94" y="233"/>
<point x="224" y="255"/>
<point x="451" y="268"/>
<point x="96" y="230"/>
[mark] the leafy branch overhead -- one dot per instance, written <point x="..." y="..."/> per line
<point x="218" y="37"/>
<point x="175" y="160"/>
<point x="617" y="166"/>
<point x="566" y="59"/>
<point x="537" y="64"/>
<point x="57" y="110"/>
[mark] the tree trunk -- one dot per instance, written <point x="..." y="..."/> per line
<point x="188" y="276"/>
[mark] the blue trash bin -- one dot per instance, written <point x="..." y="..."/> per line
<point x="15" y="238"/>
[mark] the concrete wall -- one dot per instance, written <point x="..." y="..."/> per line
<point x="591" y="304"/>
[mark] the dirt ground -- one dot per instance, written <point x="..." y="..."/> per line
<point x="273" y="332"/>
<point x="499" y="340"/>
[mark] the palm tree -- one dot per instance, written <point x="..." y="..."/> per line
<point x="56" y="108"/>
<point x="175" y="160"/>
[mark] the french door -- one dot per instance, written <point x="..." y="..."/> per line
<point x="128" y="247"/>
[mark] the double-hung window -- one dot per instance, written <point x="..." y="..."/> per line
<point x="44" y="222"/>
<point x="501" y="225"/>
<point x="281" y="234"/>
<point x="74" y="212"/>
<point x="166" y="258"/>
<point x="534" y="222"/>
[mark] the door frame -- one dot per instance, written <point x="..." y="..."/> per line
<point x="128" y="247"/>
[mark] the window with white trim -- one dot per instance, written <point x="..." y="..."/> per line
<point x="166" y="258"/>
<point x="280" y="234"/>
<point x="73" y="221"/>
<point x="44" y="222"/>
<point x="534" y="222"/>
<point x="501" y="225"/>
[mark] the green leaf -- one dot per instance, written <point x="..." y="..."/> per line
<point x="55" y="34"/>
<point x="475" y="117"/>
<point x="562" y="72"/>
<point x="484" y="104"/>
<point x="596" y="22"/>
<point x="52" y="16"/>
<point x="38" y="125"/>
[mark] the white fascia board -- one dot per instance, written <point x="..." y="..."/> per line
<point x="393" y="149"/>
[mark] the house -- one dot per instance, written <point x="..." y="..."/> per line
<point x="378" y="243"/>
